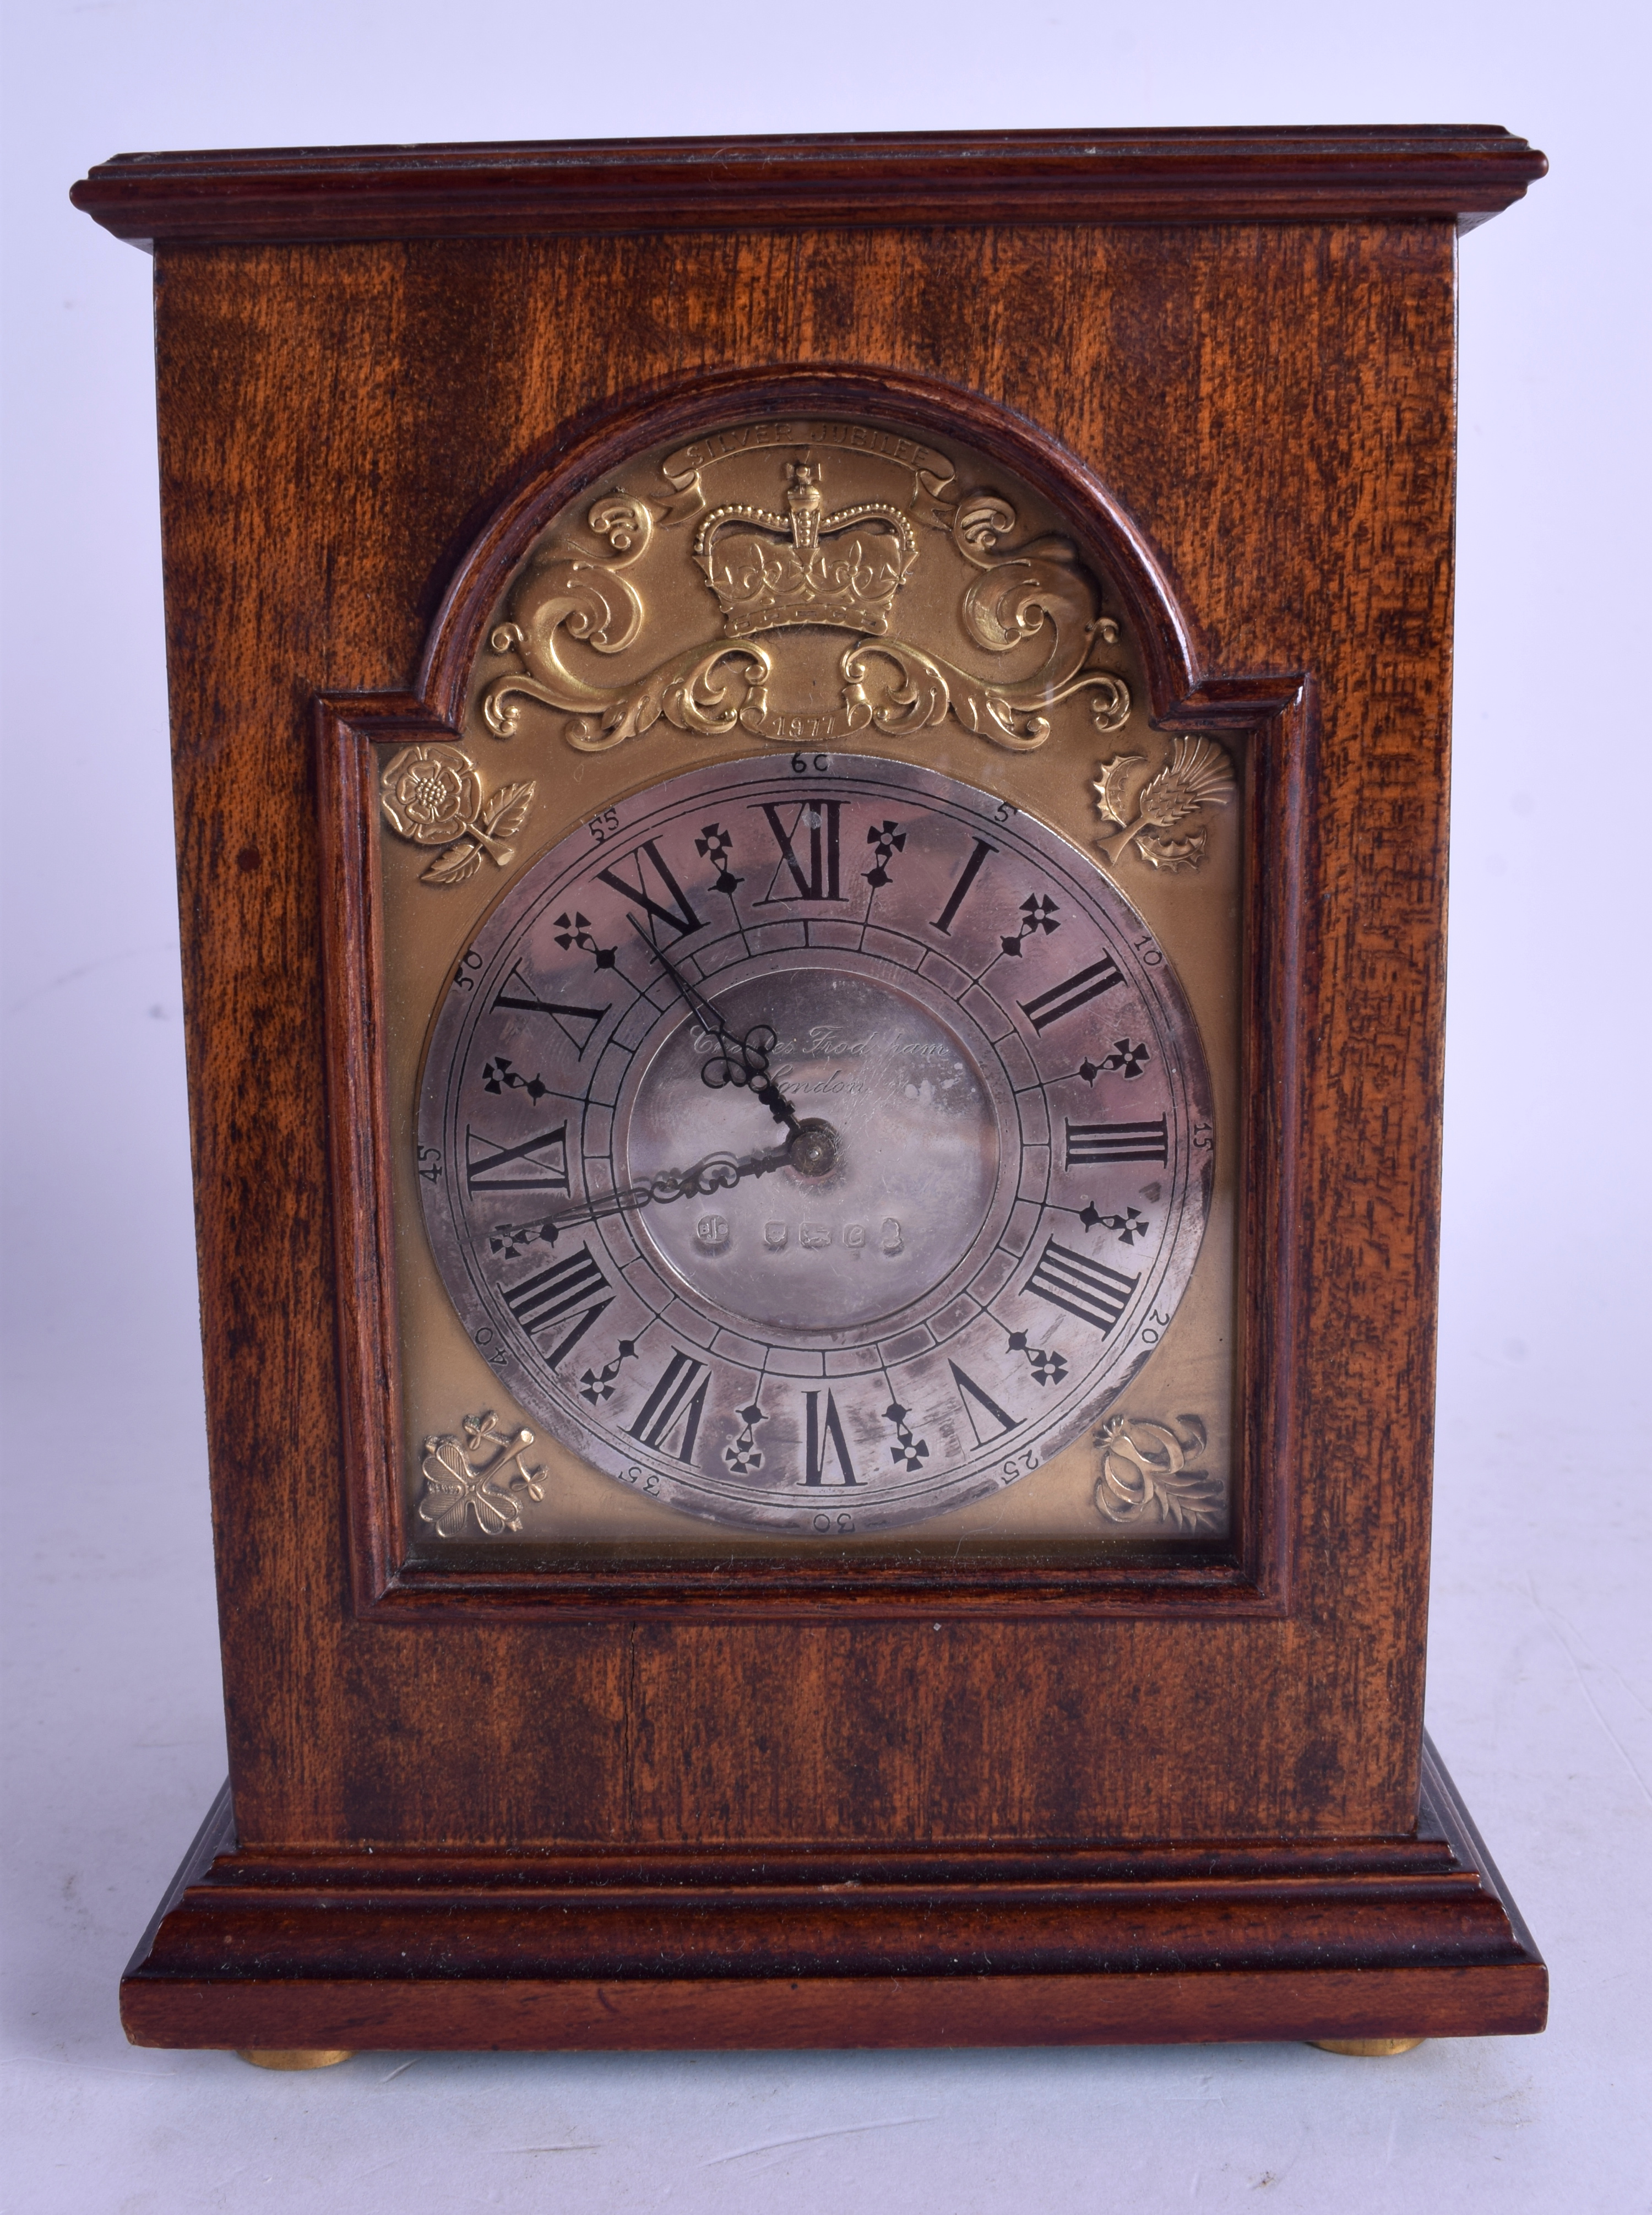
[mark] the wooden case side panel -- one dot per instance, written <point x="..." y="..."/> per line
<point x="1275" y="406"/>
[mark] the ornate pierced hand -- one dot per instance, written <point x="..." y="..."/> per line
<point x="742" y="1061"/>
<point x="812" y="1149"/>
<point x="712" y="1173"/>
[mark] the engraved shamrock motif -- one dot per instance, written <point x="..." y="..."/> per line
<point x="1126" y="1060"/>
<point x="1038" y="913"/>
<point x="575" y="930"/>
<point x="745" y="1455"/>
<point x="886" y="839"/>
<point x="715" y="845"/>
<point x="501" y="1075"/>
<point x="1130" y="1225"/>
<point x="458" y="1484"/>
<point x="909" y="1452"/>
<point x="1047" y="1368"/>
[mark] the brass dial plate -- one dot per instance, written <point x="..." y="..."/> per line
<point x="635" y="645"/>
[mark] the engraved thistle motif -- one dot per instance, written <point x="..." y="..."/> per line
<point x="482" y="1474"/>
<point x="1147" y="1477"/>
<point x="841" y="569"/>
<point x="433" y="796"/>
<point x="1198" y="775"/>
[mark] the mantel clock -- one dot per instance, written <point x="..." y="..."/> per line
<point x="811" y="781"/>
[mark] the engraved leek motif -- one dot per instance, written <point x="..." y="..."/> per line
<point x="1145" y="1474"/>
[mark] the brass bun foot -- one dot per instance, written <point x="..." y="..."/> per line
<point x="294" y="2057"/>
<point x="1375" y="2049"/>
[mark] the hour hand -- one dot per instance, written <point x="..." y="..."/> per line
<point x="745" y="1061"/>
<point x="718" y="1172"/>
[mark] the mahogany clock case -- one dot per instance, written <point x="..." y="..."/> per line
<point x="1157" y="1801"/>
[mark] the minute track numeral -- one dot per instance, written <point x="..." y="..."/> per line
<point x="1072" y="993"/>
<point x="545" y="1298"/>
<point x="562" y="1012"/>
<point x="679" y="1396"/>
<point x="1090" y="1143"/>
<point x="483" y="1171"/>
<point x="821" y="818"/>
<point x="1087" y="1289"/>
<point x="679" y="916"/>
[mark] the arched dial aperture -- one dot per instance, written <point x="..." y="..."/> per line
<point x="819" y="1150"/>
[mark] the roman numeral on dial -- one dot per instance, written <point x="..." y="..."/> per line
<point x="674" y="910"/>
<point x="679" y="1396"/>
<point x="1091" y="1142"/>
<point x="1087" y="1289"/>
<point x="971" y="869"/>
<point x="517" y="992"/>
<point x="819" y="881"/>
<point x="1073" y="993"/>
<point x="486" y="1163"/>
<point x="968" y="1390"/>
<point x="545" y="1300"/>
<point x="824" y="1442"/>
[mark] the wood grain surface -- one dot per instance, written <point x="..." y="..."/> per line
<point x="353" y="193"/>
<point x="1268" y="407"/>
<point x="818" y="1946"/>
<point x="1272" y="406"/>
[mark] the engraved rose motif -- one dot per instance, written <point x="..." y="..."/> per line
<point x="432" y="793"/>
<point x="433" y="796"/>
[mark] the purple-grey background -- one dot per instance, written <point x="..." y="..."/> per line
<point x="1540" y="1694"/>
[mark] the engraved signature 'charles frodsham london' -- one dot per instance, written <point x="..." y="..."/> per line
<point x="1011" y="1152"/>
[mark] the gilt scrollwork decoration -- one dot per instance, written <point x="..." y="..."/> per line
<point x="1017" y="595"/>
<point x="594" y="602"/>
<point x="811" y="565"/>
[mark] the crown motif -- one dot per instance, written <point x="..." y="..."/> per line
<point x="787" y="576"/>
